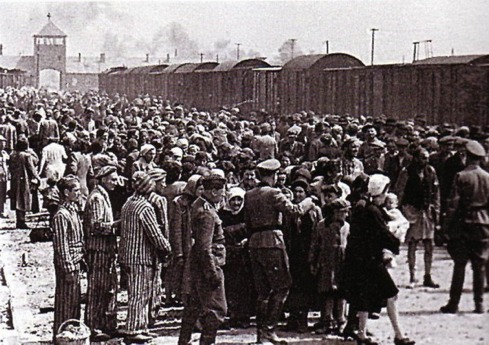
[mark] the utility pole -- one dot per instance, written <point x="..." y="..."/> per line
<point x="327" y="46"/>
<point x="373" y="45"/>
<point x="217" y="58"/>
<point x="292" y="44"/>
<point x="201" y="57"/>
<point x="237" y="50"/>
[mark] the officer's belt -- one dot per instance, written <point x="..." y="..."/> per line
<point x="266" y="228"/>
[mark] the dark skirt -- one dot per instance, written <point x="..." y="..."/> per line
<point x="367" y="286"/>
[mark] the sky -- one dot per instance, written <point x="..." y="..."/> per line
<point x="135" y="28"/>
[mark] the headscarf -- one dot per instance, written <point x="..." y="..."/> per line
<point x="234" y="192"/>
<point x="146" y="148"/>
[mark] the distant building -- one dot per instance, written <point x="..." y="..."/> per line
<point x="49" y="66"/>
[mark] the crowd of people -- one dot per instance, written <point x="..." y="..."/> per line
<point x="239" y="215"/>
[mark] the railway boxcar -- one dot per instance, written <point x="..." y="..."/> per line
<point x="444" y="89"/>
<point x="192" y="86"/>
<point x="112" y="81"/>
<point x="300" y="80"/>
<point x="153" y="81"/>
<point x="266" y="92"/>
<point x="231" y="84"/>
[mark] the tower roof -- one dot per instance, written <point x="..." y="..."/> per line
<point x="51" y="30"/>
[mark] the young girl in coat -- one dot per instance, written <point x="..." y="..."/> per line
<point x="327" y="256"/>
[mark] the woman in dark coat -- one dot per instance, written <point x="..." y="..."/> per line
<point x="368" y="285"/>
<point x="24" y="179"/>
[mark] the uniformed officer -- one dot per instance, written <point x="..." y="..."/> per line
<point x="264" y="208"/>
<point x="468" y="227"/>
<point x="207" y="300"/>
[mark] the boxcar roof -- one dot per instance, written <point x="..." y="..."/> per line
<point x="322" y="61"/>
<point x="192" y="67"/>
<point x="248" y="63"/>
<point x="456" y="59"/>
<point x="172" y="68"/>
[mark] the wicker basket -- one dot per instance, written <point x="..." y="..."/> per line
<point x="83" y="339"/>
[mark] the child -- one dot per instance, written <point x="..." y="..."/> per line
<point x="326" y="259"/>
<point x="397" y="223"/>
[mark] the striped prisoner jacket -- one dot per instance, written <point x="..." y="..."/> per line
<point x="98" y="210"/>
<point x="141" y="238"/>
<point x="68" y="238"/>
<point x="160" y="206"/>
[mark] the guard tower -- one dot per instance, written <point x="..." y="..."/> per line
<point x="50" y="55"/>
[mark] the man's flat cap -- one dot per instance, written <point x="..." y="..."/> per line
<point x="340" y="204"/>
<point x="447" y="139"/>
<point x="402" y="142"/>
<point x="106" y="171"/>
<point x="474" y="148"/>
<point x="214" y="181"/>
<point x="269" y="164"/>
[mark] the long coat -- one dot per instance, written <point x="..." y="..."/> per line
<point x="23" y="171"/>
<point x="367" y="283"/>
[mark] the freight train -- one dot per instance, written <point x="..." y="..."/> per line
<point x="444" y="89"/>
<point x="452" y="89"/>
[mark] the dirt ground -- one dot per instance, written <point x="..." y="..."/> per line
<point x="418" y="307"/>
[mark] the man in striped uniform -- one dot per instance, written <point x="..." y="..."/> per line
<point x="159" y="203"/>
<point x="68" y="253"/>
<point x="141" y="247"/>
<point x="101" y="247"/>
<point x="208" y="255"/>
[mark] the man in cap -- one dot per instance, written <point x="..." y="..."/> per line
<point x="438" y="160"/>
<point x="142" y="244"/>
<point x="101" y="248"/>
<point x="263" y="208"/>
<point x="453" y="165"/>
<point x="371" y="142"/>
<point x="292" y="146"/>
<point x="4" y="157"/>
<point x="468" y="227"/>
<point x="396" y="158"/>
<point x="160" y="205"/>
<point x="68" y="253"/>
<point x="208" y="255"/>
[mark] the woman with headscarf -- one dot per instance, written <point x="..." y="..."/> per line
<point x="299" y="233"/>
<point x="367" y="283"/>
<point x="237" y="272"/>
<point x="178" y="275"/>
<point x="146" y="159"/>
